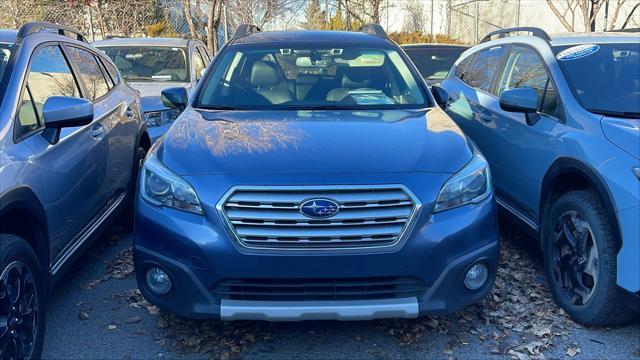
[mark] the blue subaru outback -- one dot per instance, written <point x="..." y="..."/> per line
<point x="71" y="139"/>
<point x="558" y="119"/>
<point x="312" y="176"/>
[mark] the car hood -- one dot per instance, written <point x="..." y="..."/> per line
<point x="624" y="133"/>
<point x="319" y="142"/>
<point x="150" y="93"/>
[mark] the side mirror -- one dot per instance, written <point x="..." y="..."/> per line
<point x="440" y="95"/>
<point x="61" y="111"/>
<point x="522" y="100"/>
<point x="175" y="98"/>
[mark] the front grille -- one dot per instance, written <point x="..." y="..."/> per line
<point x="270" y="218"/>
<point x="369" y="288"/>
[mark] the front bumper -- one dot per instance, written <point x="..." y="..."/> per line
<point x="198" y="254"/>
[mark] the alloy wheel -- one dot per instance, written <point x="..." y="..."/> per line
<point x="574" y="257"/>
<point x="18" y="311"/>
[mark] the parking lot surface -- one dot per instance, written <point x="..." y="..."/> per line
<point x="96" y="312"/>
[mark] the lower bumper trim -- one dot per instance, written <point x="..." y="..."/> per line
<point x="406" y="308"/>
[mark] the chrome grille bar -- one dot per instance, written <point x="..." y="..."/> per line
<point x="270" y="217"/>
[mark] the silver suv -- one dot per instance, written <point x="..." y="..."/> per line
<point x="151" y="65"/>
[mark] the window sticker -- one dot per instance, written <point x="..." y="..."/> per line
<point x="577" y="52"/>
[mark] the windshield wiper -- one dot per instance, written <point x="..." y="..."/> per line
<point x="138" y="78"/>
<point x="618" y="114"/>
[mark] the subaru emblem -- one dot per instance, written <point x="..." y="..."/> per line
<point x="319" y="208"/>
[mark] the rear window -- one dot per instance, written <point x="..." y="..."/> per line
<point x="604" y="78"/>
<point x="310" y="77"/>
<point x="150" y="63"/>
<point x="434" y="63"/>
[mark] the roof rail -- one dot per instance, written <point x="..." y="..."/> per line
<point x="244" y="30"/>
<point x="537" y="32"/>
<point x="32" y="27"/>
<point x="374" y="29"/>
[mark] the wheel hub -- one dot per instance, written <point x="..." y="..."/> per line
<point x="18" y="311"/>
<point x="575" y="258"/>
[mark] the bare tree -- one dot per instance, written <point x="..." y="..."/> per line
<point x="259" y="12"/>
<point x="585" y="12"/>
<point x="414" y="16"/>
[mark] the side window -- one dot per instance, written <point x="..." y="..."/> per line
<point x="484" y="68"/>
<point x="525" y="68"/>
<point x="107" y="76"/>
<point x="198" y="64"/>
<point x="460" y="69"/>
<point x="49" y="75"/>
<point x="113" y="72"/>
<point x="94" y="81"/>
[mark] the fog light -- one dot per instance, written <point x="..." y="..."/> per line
<point x="476" y="276"/>
<point x="158" y="280"/>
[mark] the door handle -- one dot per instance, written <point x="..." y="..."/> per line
<point x="97" y="130"/>
<point x="486" y="117"/>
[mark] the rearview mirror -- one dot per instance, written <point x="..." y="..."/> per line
<point x="440" y="95"/>
<point x="175" y="98"/>
<point x="522" y="100"/>
<point x="61" y="111"/>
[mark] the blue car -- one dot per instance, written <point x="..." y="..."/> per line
<point x="558" y="119"/>
<point x="71" y="141"/>
<point x="311" y="175"/>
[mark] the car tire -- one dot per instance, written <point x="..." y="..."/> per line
<point x="127" y="215"/>
<point x="23" y="307"/>
<point x="580" y="253"/>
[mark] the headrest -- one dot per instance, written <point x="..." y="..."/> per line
<point x="263" y="74"/>
<point x="354" y="78"/>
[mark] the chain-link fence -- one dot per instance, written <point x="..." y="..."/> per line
<point x="97" y="18"/>
<point x="470" y="20"/>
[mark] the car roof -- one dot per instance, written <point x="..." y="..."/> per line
<point x="8" y="36"/>
<point x="595" y="37"/>
<point x="313" y="36"/>
<point x="434" y="46"/>
<point x="156" y="41"/>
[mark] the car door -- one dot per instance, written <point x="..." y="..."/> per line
<point x="472" y="99"/>
<point x="111" y="114"/>
<point x="74" y="169"/>
<point x="523" y="152"/>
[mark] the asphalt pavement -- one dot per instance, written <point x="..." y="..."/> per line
<point x="96" y="313"/>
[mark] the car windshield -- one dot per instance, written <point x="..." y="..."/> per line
<point x="434" y="63"/>
<point x="310" y="77"/>
<point x="150" y="63"/>
<point x="604" y="78"/>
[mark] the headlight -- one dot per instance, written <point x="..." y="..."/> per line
<point x="470" y="185"/>
<point x="161" y="187"/>
<point x="159" y="118"/>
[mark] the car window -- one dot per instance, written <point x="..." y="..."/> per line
<point x="150" y="63"/>
<point x="92" y="77"/>
<point x="49" y="75"/>
<point x="198" y="64"/>
<point x="484" y="68"/>
<point x="525" y="68"/>
<point x="604" y="78"/>
<point x="461" y="69"/>
<point x="113" y="72"/>
<point x="268" y="76"/>
<point x="434" y="63"/>
<point x="106" y="74"/>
